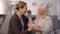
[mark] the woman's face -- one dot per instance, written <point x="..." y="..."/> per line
<point x="40" y="9"/>
<point x="24" y="10"/>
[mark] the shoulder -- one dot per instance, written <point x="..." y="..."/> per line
<point x="14" y="18"/>
<point x="48" y="17"/>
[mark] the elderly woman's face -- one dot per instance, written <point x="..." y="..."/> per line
<point x="40" y="9"/>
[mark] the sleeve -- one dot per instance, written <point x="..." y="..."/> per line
<point x="15" y="29"/>
<point x="48" y="25"/>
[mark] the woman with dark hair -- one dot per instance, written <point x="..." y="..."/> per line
<point x="19" y="22"/>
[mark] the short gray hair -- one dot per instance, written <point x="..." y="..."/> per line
<point x="46" y="8"/>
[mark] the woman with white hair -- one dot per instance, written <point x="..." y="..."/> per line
<point x="43" y="23"/>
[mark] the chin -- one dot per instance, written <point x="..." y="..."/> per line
<point x="23" y="13"/>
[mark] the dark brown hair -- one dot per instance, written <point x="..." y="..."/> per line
<point x="20" y="4"/>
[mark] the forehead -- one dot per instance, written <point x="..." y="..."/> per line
<point x="40" y="7"/>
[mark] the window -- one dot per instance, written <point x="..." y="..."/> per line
<point x="2" y="7"/>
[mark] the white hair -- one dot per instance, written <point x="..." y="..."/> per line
<point x="46" y="8"/>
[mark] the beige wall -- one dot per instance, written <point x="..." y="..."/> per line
<point x="34" y="8"/>
<point x="2" y="6"/>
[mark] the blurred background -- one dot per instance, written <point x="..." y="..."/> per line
<point x="7" y="9"/>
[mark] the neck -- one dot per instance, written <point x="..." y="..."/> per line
<point x="41" y="15"/>
<point x="19" y="14"/>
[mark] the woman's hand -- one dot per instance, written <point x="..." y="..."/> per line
<point x="30" y="26"/>
<point x="37" y="28"/>
<point x="33" y="26"/>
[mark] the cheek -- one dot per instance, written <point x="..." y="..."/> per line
<point x="25" y="9"/>
<point x="39" y="10"/>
